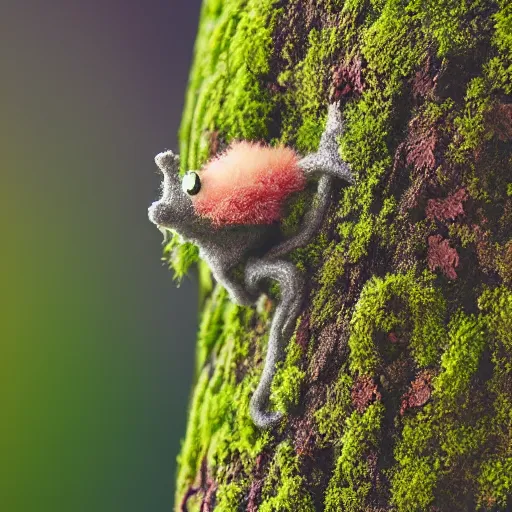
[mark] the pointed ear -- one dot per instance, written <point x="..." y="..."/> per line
<point x="168" y="161"/>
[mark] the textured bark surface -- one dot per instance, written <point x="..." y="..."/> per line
<point x="397" y="384"/>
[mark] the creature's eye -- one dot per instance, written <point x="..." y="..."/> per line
<point x="191" y="183"/>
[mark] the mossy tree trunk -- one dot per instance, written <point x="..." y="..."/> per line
<point x="398" y="381"/>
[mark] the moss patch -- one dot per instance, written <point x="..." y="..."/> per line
<point x="284" y="488"/>
<point x="352" y="480"/>
<point x="420" y="311"/>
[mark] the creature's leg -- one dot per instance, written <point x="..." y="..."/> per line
<point x="326" y="163"/>
<point x="312" y="220"/>
<point x="292" y="292"/>
<point x="237" y="292"/>
<point x="327" y="159"/>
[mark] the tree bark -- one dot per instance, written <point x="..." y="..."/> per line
<point x="397" y="384"/>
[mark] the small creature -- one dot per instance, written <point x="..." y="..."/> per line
<point x="230" y="209"/>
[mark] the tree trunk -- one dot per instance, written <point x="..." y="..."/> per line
<point x="397" y="384"/>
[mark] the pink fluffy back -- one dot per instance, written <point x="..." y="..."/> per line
<point x="248" y="183"/>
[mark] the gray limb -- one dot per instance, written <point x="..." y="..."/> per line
<point x="326" y="163"/>
<point x="312" y="220"/>
<point x="236" y="291"/>
<point x="327" y="159"/>
<point x="283" y="323"/>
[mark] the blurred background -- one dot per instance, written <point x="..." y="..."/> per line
<point x="97" y="343"/>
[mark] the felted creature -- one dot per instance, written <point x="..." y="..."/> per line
<point x="230" y="209"/>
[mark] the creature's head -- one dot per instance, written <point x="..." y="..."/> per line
<point x="174" y="209"/>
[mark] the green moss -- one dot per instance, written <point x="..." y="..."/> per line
<point x="461" y="440"/>
<point x="246" y="104"/>
<point x="460" y="361"/>
<point x="288" y="379"/>
<point x="390" y="44"/>
<point x="471" y="125"/>
<point x="456" y="27"/>
<point x="229" y="496"/>
<point x="384" y="228"/>
<point x="356" y="236"/>
<point x="311" y="74"/>
<point x="310" y="256"/>
<point x="463" y="232"/>
<point x="180" y="256"/>
<point x="497" y="304"/>
<point x="226" y="421"/>
<point x="304" y="81"/>
<point x="330" y="418"/>
<point x="495" y="482"/>
<point x="413" y="484"/>
<point x="351" y="481"/>
<point x="284" y="489"/>
<point x="212" y="323"/>
<point x="423" y="307"/>
<point x="503" y="28"/>
<point x="495" y="478"/>
<point x="432" y="439"/>
<point x="325" y="302"/>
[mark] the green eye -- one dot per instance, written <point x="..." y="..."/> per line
<point x="191" y="183"/>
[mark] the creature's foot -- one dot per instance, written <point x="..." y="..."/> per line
<point x="327" y="159"/>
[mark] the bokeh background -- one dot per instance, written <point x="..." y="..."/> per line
<point x="97" y="343"/>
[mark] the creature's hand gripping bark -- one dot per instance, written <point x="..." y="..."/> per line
<point x="230" y="208"/>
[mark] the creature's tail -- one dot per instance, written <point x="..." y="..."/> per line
<point x="292" y="290"/>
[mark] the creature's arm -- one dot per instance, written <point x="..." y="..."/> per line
<point x="327" y="159"/>
<point x="292" y="292"/>
<point x="312" y="220"/>
<point x="327" y="163"/>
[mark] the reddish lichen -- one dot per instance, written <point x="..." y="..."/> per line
<point x="254" y="498"/>
<point x="420" y="145"/>
<point x="303" y="335"/>
<point x="425" y="79"/>
<point x="364" y="392"/>
<point x="449" y="208"/>
<point x="418" y="393"/>
<point x="441" y="255"/>
<point x="347" y="80"/>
